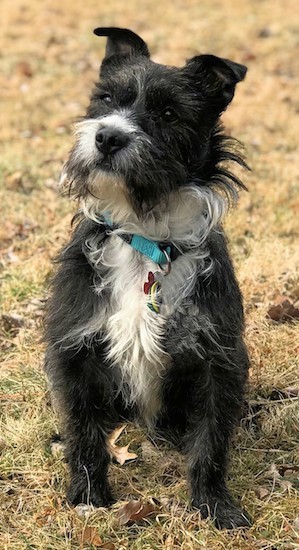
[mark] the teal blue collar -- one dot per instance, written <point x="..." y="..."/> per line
<point x="159" y="252"/>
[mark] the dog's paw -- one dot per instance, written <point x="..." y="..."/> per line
<point x="81" y="492"/>
<point x="225" y="515"/>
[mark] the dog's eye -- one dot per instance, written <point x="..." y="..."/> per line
<point x="169" y="115"/>
<point x="106" y="98"/>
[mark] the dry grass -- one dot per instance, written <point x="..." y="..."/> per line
<point x="49" y="61"/>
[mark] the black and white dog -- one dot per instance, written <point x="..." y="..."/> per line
<point x="145" y="319"/>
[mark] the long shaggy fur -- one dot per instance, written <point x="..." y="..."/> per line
<point x="163" y="175"/>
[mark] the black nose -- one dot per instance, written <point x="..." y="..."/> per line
<point x="110" y="140"/>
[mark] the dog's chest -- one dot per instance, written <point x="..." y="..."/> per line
<point x="133" y="331"/>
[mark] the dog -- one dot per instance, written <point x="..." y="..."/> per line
<point x="145" y="318"/>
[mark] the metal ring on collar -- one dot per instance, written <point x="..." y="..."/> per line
<point x="166" y="270"/>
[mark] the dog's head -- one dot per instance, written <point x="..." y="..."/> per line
<point x="150" y="128"/>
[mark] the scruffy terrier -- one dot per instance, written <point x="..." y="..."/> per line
<point x="145" y="320"/>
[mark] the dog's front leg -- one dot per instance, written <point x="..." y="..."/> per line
<point x="214" y="404"/>
<point x="84" y="393"/>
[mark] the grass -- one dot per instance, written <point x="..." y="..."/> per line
<point x="50" y="60"/>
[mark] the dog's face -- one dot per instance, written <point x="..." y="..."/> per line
<point x="148" y="126"/>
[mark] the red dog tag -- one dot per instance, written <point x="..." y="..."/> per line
<point x="149" y="283"/>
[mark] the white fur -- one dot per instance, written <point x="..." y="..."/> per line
<point x="186" y="219"/>
<point x="134" y="332"/>
<point x="85" y="131"/>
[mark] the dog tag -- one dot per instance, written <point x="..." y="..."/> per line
<point x="152" y="288"/>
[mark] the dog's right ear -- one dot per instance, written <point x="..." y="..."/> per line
<point x="122" y="42"/>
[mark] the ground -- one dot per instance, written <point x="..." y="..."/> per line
<point x="49" y="60"/>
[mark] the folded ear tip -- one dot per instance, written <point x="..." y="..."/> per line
<point x="113" y="32"/>
<point x="122" y="41"/>
<point x="103" y="31"/>
<point x="243" y="71"/>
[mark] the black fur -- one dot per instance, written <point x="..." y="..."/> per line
<point x="202" y="390"/>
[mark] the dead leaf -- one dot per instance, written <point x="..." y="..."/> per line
<point x="248" y="55"/>
<point x="108" y="546"/>
<point x="90" y="535"/>
<point x="285" y="484"/>
<point x="273" y="472"/>
<point x="261" y="492"/>
<point x="288" y="469"/>
<point x="134" y="511"/>
<point x="283" y="310"/>
<point x="25" y="69"/>
<point x="12" y="322"/>
<point x="121" y="454"/>
<point x="14" y="180"/>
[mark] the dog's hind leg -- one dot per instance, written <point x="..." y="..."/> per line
<point x="83" y="389"/>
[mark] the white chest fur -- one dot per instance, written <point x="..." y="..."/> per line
<point x="134" y="332"/>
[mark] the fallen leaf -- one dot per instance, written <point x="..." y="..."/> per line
<point x="285" y="484"/>
<point x="14" y="180"/>
<point x="283" y="310"/>
<point x="121" y="454"/>
<point x="273" y="472"/>
<point x="90" y="536"/>
<point x="134" y="511"/>
<point x="25" y="69"/>
<point x="248" y="55"/>
<point x="261" y="492"/>
<point x="108" y="546"/>
<point x="288" y="469"/>
<point x="12" y="322"/>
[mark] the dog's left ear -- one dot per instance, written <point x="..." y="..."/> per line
<point x="122" y="42"/>
<point x="222" y="75"/>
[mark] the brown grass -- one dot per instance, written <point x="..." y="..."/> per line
<point x="49" y="61"/>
